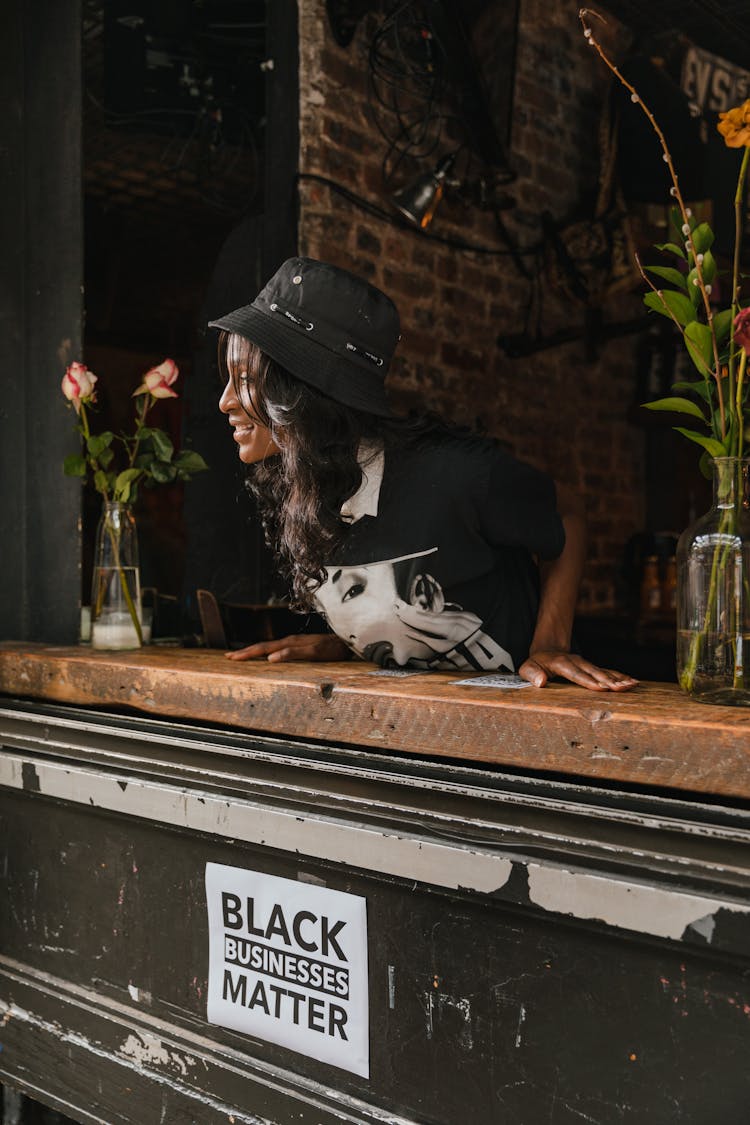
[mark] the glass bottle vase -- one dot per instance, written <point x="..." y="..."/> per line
<point x="116" y="584"/>
<point x="713" y="592"/>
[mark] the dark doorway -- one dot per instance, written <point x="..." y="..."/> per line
<point x="180" y="191"/>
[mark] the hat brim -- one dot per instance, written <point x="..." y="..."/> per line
<point x="334" y="375"/>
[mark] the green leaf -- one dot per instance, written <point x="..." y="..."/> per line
<point x="101" y="481"/>
<point x="703" y="238"/>
<point x="163" y="445"/>
<point x="126" y="476"/>
<point x="708" y="267"/>
<point x="675" y="216"/>
<point x="713" y="447"/>
<point x="144" y="460"/>
<point x="676" y="405"/>
<point x="699" y="343"/>
<point x="124" y="482"/>
<point x="74" y="465"/>
<point x="653" y="302"/>
<point x="722" y="324"/>
<point x="693" y="289"/>
<point x="163" y="472"/>
<point x="669" y="274"/>
<point x="97" y="442"/>
<point x="677" y="305"/>
<point x="105" y="458"/>
<point x="706" y="465"/>
<point x="188" y="461"/>
<point x="696" y="388"/>
<point x="671" y="248"/>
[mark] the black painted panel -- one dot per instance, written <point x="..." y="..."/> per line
<point x="40" y="325"/>
<point x="480" y="1010"/>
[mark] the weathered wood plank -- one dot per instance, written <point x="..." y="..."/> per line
<point x="653" y="736"/>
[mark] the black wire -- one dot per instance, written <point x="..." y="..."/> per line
<point x="406" y="86"/>
<point x="396" y="220"/>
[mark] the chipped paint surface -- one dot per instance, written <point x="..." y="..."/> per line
<point x="640" y="907"/>
<point x="443" y="864"/>
<point x="74" y="1039"/>
<point x="438" y="1005"/>
<point x="521" y="1021"/>
<point x="146" y="1048"/>
<point x="646" y="909"/>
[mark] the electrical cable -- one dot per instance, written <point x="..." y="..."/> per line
<point x="396" y="220"/>
<point x="406" y="86"/>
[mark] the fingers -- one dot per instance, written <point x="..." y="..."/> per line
<point x="302" y="646"/>
<point x="541" y="666"/>
<point x="273" y="649"/>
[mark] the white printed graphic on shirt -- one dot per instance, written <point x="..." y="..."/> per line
<point x="394" y="612"/>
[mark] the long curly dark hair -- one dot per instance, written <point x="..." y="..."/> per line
<point x="299" y="493"/>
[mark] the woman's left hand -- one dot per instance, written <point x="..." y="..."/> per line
<point x="299" y="646"/>
<point x="541" y="665"/>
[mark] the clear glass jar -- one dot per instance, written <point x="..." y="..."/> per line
<point x="116" y="584"/>
<point x="713" y="592"/>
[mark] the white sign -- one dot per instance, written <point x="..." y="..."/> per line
<point x="288" y="964"/>
<point x="712" y="83"/>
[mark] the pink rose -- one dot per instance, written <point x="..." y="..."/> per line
<point x="78" y="385"/>
<point x="742" y="329"/>
<point x="158" y="381"/>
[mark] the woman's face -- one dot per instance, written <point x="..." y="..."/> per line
<point x="254" y="440"/>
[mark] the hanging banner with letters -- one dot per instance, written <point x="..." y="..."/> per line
<point x="711" y="83"/>
<point x="288" y="964"/>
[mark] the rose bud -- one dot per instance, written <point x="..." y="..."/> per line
<point x="158" y="380"/>
<point x="78" y="385"/>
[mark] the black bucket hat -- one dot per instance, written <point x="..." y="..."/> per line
<point x="327" y="327"/>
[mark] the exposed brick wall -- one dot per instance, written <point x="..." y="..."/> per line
<point x="553" y="408"/>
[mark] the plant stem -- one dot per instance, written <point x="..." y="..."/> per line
<point x="148" y="402"/>
<point x="583" y="14"/>
<point x="739" y="404"/>
<point x="114" y="540"/>
<point x="727" y="535"/>
<point x="738" y="227"/>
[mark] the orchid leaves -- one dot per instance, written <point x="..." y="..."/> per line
<point x="682" y="296"/>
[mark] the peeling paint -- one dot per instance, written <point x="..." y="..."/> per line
<point x="428" y="861"/>
<point x="436" y="1004"/>
<point x="30" y="777"/>
<point x="521" y="1019"/>
<point x="662" y="911"/>
<point x="631" y="906"/>
<point x="705" y="927"/>
<point x="205" y="1100"/>
<point x="145" y="1048"/>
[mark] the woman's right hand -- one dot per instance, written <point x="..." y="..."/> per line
<point x="299" y="646"/>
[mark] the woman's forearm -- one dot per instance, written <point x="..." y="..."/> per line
<point x="560" y="579"/>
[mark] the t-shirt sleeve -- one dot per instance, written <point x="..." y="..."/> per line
<point x="520" y="507"/>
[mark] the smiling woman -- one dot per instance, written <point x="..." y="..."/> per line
<point x="253" y="437"/>
<point x="418" y="542"/>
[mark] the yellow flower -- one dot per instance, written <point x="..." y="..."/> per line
<point x="734" y="125"/>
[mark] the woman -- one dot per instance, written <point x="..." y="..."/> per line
<point x="416" y="541"/>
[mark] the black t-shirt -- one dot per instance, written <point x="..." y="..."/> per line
<point x="444" y="576"/>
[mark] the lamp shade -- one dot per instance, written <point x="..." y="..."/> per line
<point x="418" y="200"/>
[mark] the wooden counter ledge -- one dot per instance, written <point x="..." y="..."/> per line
<point x="653" y="736"/>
